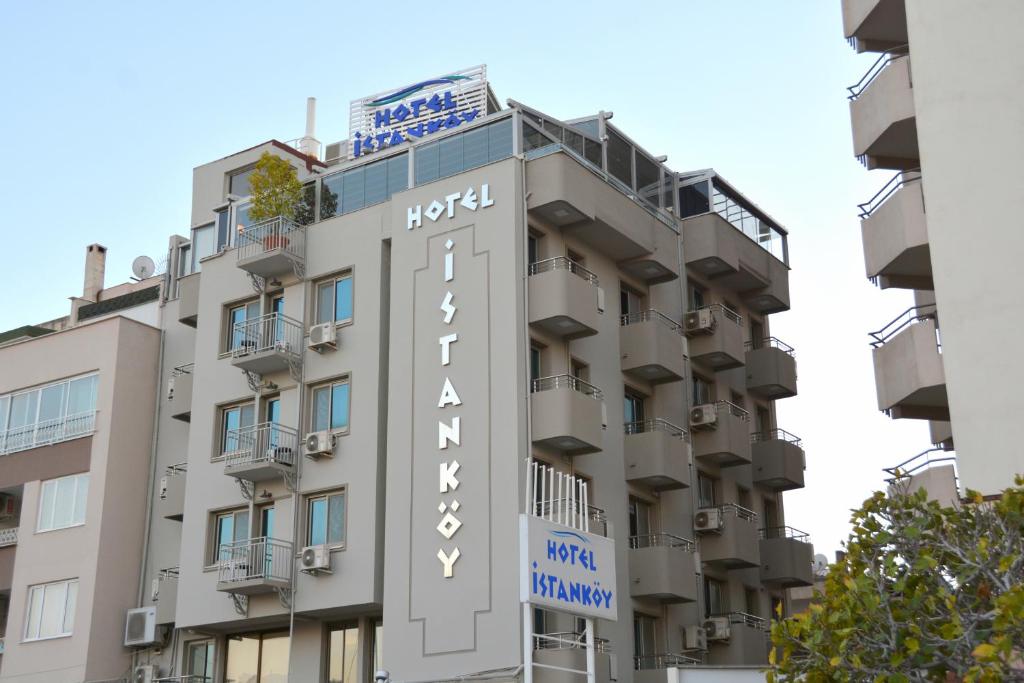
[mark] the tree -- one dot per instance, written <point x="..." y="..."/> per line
<point x="924" y="593"/>
<point x="275" y="187"/>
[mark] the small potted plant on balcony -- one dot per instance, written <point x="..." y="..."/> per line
<point x="276" y="191"/>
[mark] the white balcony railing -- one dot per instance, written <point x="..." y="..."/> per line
<point x="8" y="537"/>
<point x="267" y="442"/>
<point x="47" y="432"/>
<point x="271" y="235"/>
<point x="270" y="332"/>
<point x="253" y="559"/>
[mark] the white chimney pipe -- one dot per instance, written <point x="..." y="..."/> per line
<point x="309" y="145"/>
<point x="95" y="267"/>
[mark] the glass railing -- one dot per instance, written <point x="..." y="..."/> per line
<point x="765" y="235"/>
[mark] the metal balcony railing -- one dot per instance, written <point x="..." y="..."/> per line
<point x="568" y="640"/>
<point x="266" y="442"/>
<point x="176" y="470"/>
<point x="912" y="315"/>
<point x="185" y="369"/>
<point x="270" y="235"/>
<point x="270" y="332"/>
<point x="744" y="619"/>
<point x="664" y="661"/>
<point x="662" y="540"/>
<point x="255" y="558"/>
<point x="894" y="184"/>
<point x="47" y="432"/>
<point x="727" y="408"/>
<point x="8" y="537"/>
<point x="650" y="315"/>
<point x="769" y="343"/>
<point x="563" y="263"/>
<point x="721" y="311"/>
<point x="738" y="511"/>
<point x="922" y="461"/>
<point x="785" y="532"/>
<point x="776" y="435"/>
<point x="656" y="425"/>
<point x="567" y="381"/>
<point x="880" y="65"/>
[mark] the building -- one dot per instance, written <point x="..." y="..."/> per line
<point x="367" y="414"/>
<point x="930" y="113"/>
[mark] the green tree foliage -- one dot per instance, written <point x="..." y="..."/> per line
<point x="276" y="190"/>
<point x="925" y="593"/>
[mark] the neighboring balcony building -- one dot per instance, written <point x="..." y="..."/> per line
<point x="928" y="113"/>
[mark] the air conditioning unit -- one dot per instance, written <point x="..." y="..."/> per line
<point x="146" y="673"/>
<point x="8" y="506"/>
<point x="334" y="151"/>
<point x="140" y="629"/>
<point x="323" y="336"/>
<point x="319" y="444"/>
<point x="699" y="322"/>
<point x="170" y="389"/>
<point x="717" y="628"/>
<point x="707" y="519"/>
<point x="704" y="416"/>
<point x="315" y="559"/>
<point x="695" y="638"/>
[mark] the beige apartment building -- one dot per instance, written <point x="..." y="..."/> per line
<point x="940" y="106"/>
<point x="481" y="321"/>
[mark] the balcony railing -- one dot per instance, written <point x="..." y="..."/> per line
<point x="738" y="511"/>
<point x="650" y="315"/>
<point x="785" y="532"/>
<point x="656" y="424"/>
<point x="567" y="640"/>
<point x="665" y="661"/>
<point x="883" y="61"/>
<point x="567" y="381"/>
<point x="8" y="537"/>
<point x="563" y="263"/>
<point x="744" y="619"/>
<point x="176" y="470"/>
<point x="722" y="310"/>
<point x="922" y="461"/>
<point x="769" y="343"/>
<point x="889" y="189"/>
<point x="255" y="558"/>
<point x="47" y="432"/>
<point x="185" y="369"/>
<point x="270" y="332"/>
<point x="563" y="498"/>
<point x="661" y="540"/>
<point x="727" y="408"/>
<point x="270" y="235"/>
<point x="776" y="435"/>
<point x="261" y="443"/>
<point x="912" y="315"/>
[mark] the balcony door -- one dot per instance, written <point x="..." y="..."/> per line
<point x="257" y="658"/>
<point x="644" y="639"/>
<point x="639" y="522"/>
<point x="277" y="308"/>
<point x="633" y="411"/>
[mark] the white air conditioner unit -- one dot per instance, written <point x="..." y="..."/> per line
<point x="699" y="322"/>
<point x="695" y="638"/>
<point x="170" y="389"/>
<point x="704" y="416"/>
<point x="8" y="506"/>
<point x="707" y="519"/>
<point x="140" y="629"/>
<point x="146" y="673"/>
<point x="323" y="336"/>
<point x="334" y="151"/>
<point x="319" y="444"/>
<point x="717" y="628"/>
<point x="315" y="559"/>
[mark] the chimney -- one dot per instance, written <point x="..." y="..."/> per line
<point x="95" y="265"/>
<point x="309" y="145"/>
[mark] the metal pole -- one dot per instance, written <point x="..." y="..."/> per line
<point x="591" y="655"/>
<point x="527" y="643"/>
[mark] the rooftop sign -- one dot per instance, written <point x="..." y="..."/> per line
<point x="415" y="111"/>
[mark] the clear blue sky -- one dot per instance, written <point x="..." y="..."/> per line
<point x="107" y="107"/>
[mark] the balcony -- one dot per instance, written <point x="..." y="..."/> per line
<point x="720" y="433"/>
<point x="47" y="432"/>
<point x="909" y="377"/>
<point x="662" y="567"/>
<point x="567" y="414"/>
<point x="933" y="470"/>
<point x="179" y="392"/>
<point x="563" y="298"/>
<point x="188" y="300"/>
<point x="171" y="501"/>
<point x="941" y="434"/>
<point x="882" y="115"/>
<point x="8" y="548"/>
<point x="267" y="344"/>
<point x="166" y="596"/>
<point x="771" y="369"/>
<point x="875" y="25"/>
<point x="748" y="261"/>
<point x="272" y="248"/>
<point x="715" y="337"/>
<point x="787" y="557"/>
<point x="655" y="668"/>
<point x="261" y="452"/>
<point x="255" y="565"/>
<point x="657" y="455"/>
<point x="777" y="459"/>
<point x="744" y="640"/>
<point x="895" y="235"/>
<point x="732" y="543"/>
<point x="652" y="347"/>
<point x="568" y="650"/>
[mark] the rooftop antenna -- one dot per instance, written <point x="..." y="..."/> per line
<point x="143" y="267"/>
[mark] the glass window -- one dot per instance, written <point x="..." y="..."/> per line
<point x="378" y="644"/>
<point x="305" y="210"/>
<point x="532" y="138"/>
<point x="693" y="199"/>
<point x="633" y="408"/>
<point x="82" y="395"/>
<point x="344" y="654"/>
<point x="199" y="661"/>
<point x="629" y="301"/>
<point x="274" y="658"/>
<point x="456" y="153"/>
<point x="644" y="644"/>
<point x="426" y="164"/>
<point x="243" y="660"/>
<point x="51" y="610"/>
<point x="475" y="147"/>
<point x="237" y="315"/>
<point x="330" y="192"/>
<point x="450" y="159"/>
<point x="204" y="243"/>
<point x="398" y="173"/>
<point x="706" y="495"/>
<point x="639" y="517"/>
<point x="62" y="502"/>
<point x="701" y="391"/>
<point x="238" y="183"/>
<point x="331" y="407"/>
<point x="620" y="158"/>
<point x="648" y="179"/>
<point x="714" y="597"/>
<point x="223" y="227"/>
<point x="334" y="300"/>
<point x="234" y="419"/>
<point x="353" y="187"/>
<point x="363" y="186"/>
<point x="326" y="519"/>
<point x="5" y="404"/>
<point x="534" y="363"/>
<point x="228" y="528"/>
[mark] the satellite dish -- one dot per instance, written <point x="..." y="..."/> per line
<point x="820" y="564"/>
<point x="143" y="267"/>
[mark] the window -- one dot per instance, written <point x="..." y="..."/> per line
<point x="620" y="158"/>
<point x="701" y="391"/>
<point x="579" y="369"/>
<point x="363" y="186"/>
<point x="648" y="178"/>
<point x="62" y="502"/>
<point x="343" y="657"/>
<point x="457" y="153"/>
<point x="233" y="419"/>
<point x="334" y="299"/>
<point x="229" y="527"/>
<point x="199" y="661"/>
<point x="331" y="406"/>
<point x="257" y="658"/>
<point x="743" y="497"/>
<point x="540" y="620"/>
<point x="714" y="597"/>
<point x="204" y="243"/>
<point x="51" y="610"/>
<point x="633" y="408"/>
<point x="694" y="199"/>
<point x="639" y="518"/>
<point x="267" y="521"/>
<point x="629" y="301"/>
<point x="48" y="414"/>
<point x="535" y="366"/>
<point x="238" y="182"/>
<point x="707" y="491"/>
<point x="532" y="248"/>
<point x="644" y="637"/>
<point x="377" y="647"/>
<point x="236" y="329"/>
<point x="325" y="519"/>
<point x="753" y="601"/>
<point x="697" y="299"/>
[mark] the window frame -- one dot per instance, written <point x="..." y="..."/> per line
<point x="210" y="645"/>
<point x="713" y="484"/>
<point x="228" y="346"/>
<point x="360" y="649"/>
<point x="330" y="385"/>
<point x="220" y="444"/>
<point x="78" y="478"/>
<point x="326" y="495"/>
<point x="347" y="274"/>
<point x="214" y="544"/>
<point x="65" y="632"/>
